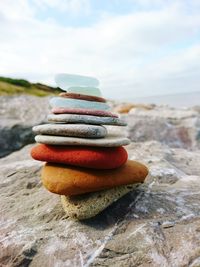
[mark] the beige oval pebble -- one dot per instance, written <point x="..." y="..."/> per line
<point x="108" y="141"/>
<point x="89" y="205"/>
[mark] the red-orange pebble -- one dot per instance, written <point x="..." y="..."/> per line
<point x="82" y="156"/>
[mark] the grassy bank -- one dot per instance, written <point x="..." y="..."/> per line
<point x="9" y="86"/>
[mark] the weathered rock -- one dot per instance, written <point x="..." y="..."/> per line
<point x="155" y="225"/>
<point x="18" y="114"/>
<point x="174" y="127"/>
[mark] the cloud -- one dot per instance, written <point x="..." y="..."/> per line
<point x="18" y="9"/>
<point x="145" y="52"/>
<point x="65" y="6"/>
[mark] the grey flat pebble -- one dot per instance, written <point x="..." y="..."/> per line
<point x="89" y="205"/>
<point x="108" y="141"/>
<point x="72" y="130"/>
<point x="73" y="118"/>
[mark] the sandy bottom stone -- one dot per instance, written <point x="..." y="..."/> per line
<point x="88" y="205"/>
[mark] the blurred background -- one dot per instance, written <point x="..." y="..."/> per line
<point x="140" y="50"/>
<point x="146" y="54"/>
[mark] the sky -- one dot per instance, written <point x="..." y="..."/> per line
<point x="135" y="48"/>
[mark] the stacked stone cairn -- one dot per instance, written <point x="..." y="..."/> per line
<point x="85" y="164"/>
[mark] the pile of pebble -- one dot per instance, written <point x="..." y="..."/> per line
<point x="85" y="164"/>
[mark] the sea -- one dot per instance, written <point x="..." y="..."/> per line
<point x="173" y="100"/>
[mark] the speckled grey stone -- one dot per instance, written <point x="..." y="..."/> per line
<point x="74" y="130"/>
<point x="89" y="205"/>
<point x="108" y="141"/>
<point x="74" y="118"/>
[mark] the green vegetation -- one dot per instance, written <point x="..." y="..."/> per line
<point x="19" y="82"/>
<point x="9" y="86"/>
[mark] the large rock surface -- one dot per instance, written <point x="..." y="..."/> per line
<point x="156" y="225"/>
<point x="18" y="114"/>
<point x="174" y="127"/>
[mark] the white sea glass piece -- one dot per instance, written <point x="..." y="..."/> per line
<point x="64" y="81"/>
<point x="93" y="91"/>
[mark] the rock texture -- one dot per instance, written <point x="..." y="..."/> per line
<point x="158" y="224"/>
<point x="86" y="206"/>
<point x="18" y="114"/>
<point x="174" y="127"/>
